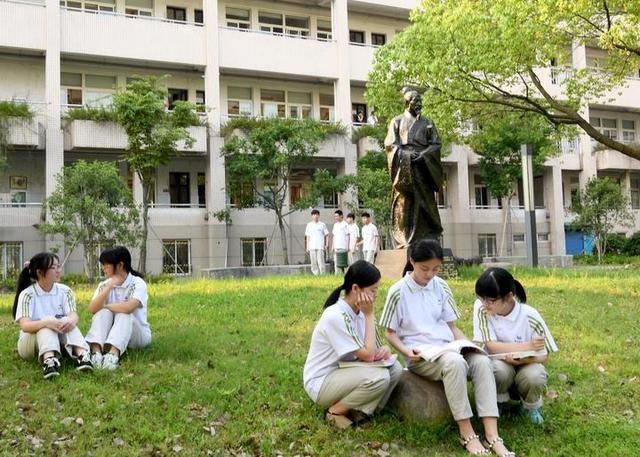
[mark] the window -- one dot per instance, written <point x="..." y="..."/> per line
<point x="441" y="197"/>
<point x="177" y="95"/>
<point x="99" y="90"/>
<point x="238" y="18"/>
<point x="198" y="17"/>
<point x="543" y="237"/>
<point x="628" y="131"/>
<point x="356" y="37"/>
<point x="378" y="39"/>
<point x="297" y="26"/>
<point x="487" y="244"/>
<point x="71" y="90"/>
<point x="296" y="192"/>
<point x="324" y="29"/>
<point x="176" y="14"/>
<point x="200" y="98"/>
<point x="10" y="259"/>
<point x="179" y="190"/>
<point x="327" y="110"/>
<point x="176" y="257"/>
<point x="139" y="7"/>
<point x="330" y="200"/>
<point x="202" y="193"/>
<point x="90" y="5"/>
<point x="608" y="127"/>
<point x="518" y="237"/>
<point x="253" y="251"/>
<point x="240" y="193"/>
<point x="635" y="191"/>
<point x="271" y="22"/>
<point x="239" y="101"/>
<point x="359" y="113"/>
<point x="272" y="103"/>
<point x="481" y="193"/>
<point x="299" y="105"/>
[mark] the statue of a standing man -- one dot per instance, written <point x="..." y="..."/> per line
<point x="413" y="155"/>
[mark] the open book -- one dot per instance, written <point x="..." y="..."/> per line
<point x="518" y="354"/>
<point x="378" y="363"/>
<point x="431" y="353"/>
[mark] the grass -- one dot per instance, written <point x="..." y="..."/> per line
<point x="223" y="376"/>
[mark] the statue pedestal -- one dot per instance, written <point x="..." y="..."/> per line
<point x="391" y="262"/>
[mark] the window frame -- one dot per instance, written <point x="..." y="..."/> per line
<point x="253" y="242"/>
<point x="5" y="272"/>
<point x="487" y="237"/>
<point x="174" y="256"/>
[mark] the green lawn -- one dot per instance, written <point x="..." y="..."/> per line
<point x="224" y="376"/>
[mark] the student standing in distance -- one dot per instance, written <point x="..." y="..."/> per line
<point x="339" y="239"/>
<point x="370" y="238"/>
<point x="420" y="309"/>
<point x="119" y="308"/>
<point x="354" y="234"/>
<point x="315" y="242"/>
<point x="347" y="331"/>
<point x="46" y="313"/>
<point x="505" y="324"/>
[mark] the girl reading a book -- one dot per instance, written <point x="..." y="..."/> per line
<point x="517" y="335"/>
<point x="420" y="311"/>
<point x="346" y="331"/>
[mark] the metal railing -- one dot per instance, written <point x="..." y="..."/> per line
<point x="278" y="34"/>
<point x="132" y="16"/>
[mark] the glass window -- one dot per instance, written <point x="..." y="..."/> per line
<point x="273" y="103"/>
<point x="179" y="189"/>
<point x="518" y="237"/>
<point x="327" y="111"/>
<point x="298" y="26"/>
<point x="100" y="81"/>
<point x="628" y="131"/>
<point x="202" y="194"/>
<point x="253" y="250"/>
<point x="177" y="95"/>
<point x="359" y="113"/>
<point x="378" y="39"/>
<point x="356" y="37"/>
<point x="239" y="101"/>
<point x="71" y="79"/>
<point x="176" y="257"/>
<point x="487" y="244"/>
<point x="198" y="17"/>
<point x="271" y="22"/>
<point x="200" y="99"/>
<point x="176" y="14"/>
<point x="239" y="18"/>
<point x="324" y="29"/>
<point x="139" y="7"/>
<point x="10" y="259"/>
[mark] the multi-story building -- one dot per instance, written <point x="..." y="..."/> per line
<point x="290" y="58"/>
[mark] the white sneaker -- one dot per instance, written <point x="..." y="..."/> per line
<point x="96" y="359"/>
<point x="110" y="361"/>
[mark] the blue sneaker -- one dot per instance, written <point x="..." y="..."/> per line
<point x="534" y="415"/>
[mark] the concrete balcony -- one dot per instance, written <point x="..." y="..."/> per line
<point x="177" y="216"/>
<point x="25" y="133"/>
<point x="91" y="135"/>
<point x="19" y="214"/>
<point x="336" y="146"/>
<point x="609" y="159"/>
<point x="22" y="25"/>
<point x="129" y="37"/>
<point x="253" y="51"/>
<point x="360" y="61"/>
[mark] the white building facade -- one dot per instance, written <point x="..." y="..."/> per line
<point x="243" y="57"/>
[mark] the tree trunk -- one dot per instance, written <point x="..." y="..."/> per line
<point x="89" y="260"/>
<point x="283" y="237"/>
<point x="142" y="264"/>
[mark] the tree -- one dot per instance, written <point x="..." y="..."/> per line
<point x="486" y="57"/>
<point x="498" y="143"/>
<point x="599" y="208"/>
<point x="267" y="152"/>
<point x="153" y="136"/>
<point x="91" y="206"/>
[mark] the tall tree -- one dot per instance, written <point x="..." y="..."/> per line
<point x="92" y="207"/>
<point x="599" y="208"/>
<point x="498" y="142"/>
<point x="489" y="56"/>
<point x="263" y="157"/>
<point x="153" y="136"/>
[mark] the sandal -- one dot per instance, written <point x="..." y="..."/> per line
<point x="338" y="420"/>
<point x="490" y="445"/>
<point x="465" y="441"/>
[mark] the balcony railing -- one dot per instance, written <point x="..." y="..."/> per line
<point x="22" y="24"/>
<point x="20" y="214"/>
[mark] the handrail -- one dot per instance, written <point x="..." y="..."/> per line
<point x="283" y="34"/>
<point x="27" y="2"/>
<point x="20" y="204"/>
<point x="132" y="16"/>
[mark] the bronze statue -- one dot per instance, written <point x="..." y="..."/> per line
<point x="413" y="155"/>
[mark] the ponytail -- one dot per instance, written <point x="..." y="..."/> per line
<point x="39" y="262"/>
<point x="497" y="283"/>
<point x="24" y="281"/>
<point x="407" y="268"/>
<point x="361" y="273"/>
<point x="334" y="296"/>
<point x="519" y="291"/>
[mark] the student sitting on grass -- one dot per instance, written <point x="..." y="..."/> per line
<point x="46" y="313"/>
<point x="346" y="331"/>
<point x="420" y="310"/>
<point x="506" y="325"/>
<point x="119" y="308"/>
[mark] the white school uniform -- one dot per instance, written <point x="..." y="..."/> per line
<point x="369" y="234"/>
<point x="418" y="314"/>
<point x="354" y="234"/>
<point x="316" y="233"/>
<point x="340" y="231"/>
<point x="519" y="326"/>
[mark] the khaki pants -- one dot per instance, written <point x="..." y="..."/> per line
<point x="454" y="370"/>
<point x="365" y="389"/>
<point x="34" y="345"/>
<point x="317" y="261"/>
<point x="530" y="381"/>
<point x="119" y="330"/>
<point x="369" y="256"/>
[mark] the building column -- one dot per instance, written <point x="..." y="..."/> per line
<point x="588" y="157"/>
<point x="555" y="207"/>
<point x="460" y="240"/>
<point x="342" y="86"/>
<point x="215" y="182"/>
<point x="54" y="160"/>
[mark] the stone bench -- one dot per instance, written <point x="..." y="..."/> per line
<point x="416" y="399"/>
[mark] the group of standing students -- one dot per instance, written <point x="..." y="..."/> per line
<point x="420" y="309"/>
<point x="47" y="315"/>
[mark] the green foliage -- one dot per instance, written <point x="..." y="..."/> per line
<point x="91" y="206"/>
<point x="599" y="208"/>
<point x="246" y="124"/>
<point x="9" y="109"/>
<point x="378" y="132"/>
<point x="477" y="59"/>
<point x="97" y="114"/>
<point x="632" y="245"/>
<point x="615" y="245"/>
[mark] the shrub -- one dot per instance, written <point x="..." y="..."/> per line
<point x="632" y="245"/>
<point x="15" y="109"/>
<point x="615" y="244"/>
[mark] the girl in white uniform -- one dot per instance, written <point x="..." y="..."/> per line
<point x="347" y="331"/>
<point x="119" y="308"/>
<point x="506" y="325"/>
<point x="420" y="309"/>
<point x="46" y="313"/>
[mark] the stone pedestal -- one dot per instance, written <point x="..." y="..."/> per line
<point x="391" y="263"/>
<point x="416" y="399"/>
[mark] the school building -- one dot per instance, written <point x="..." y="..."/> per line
<point x="294" y="58"/>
